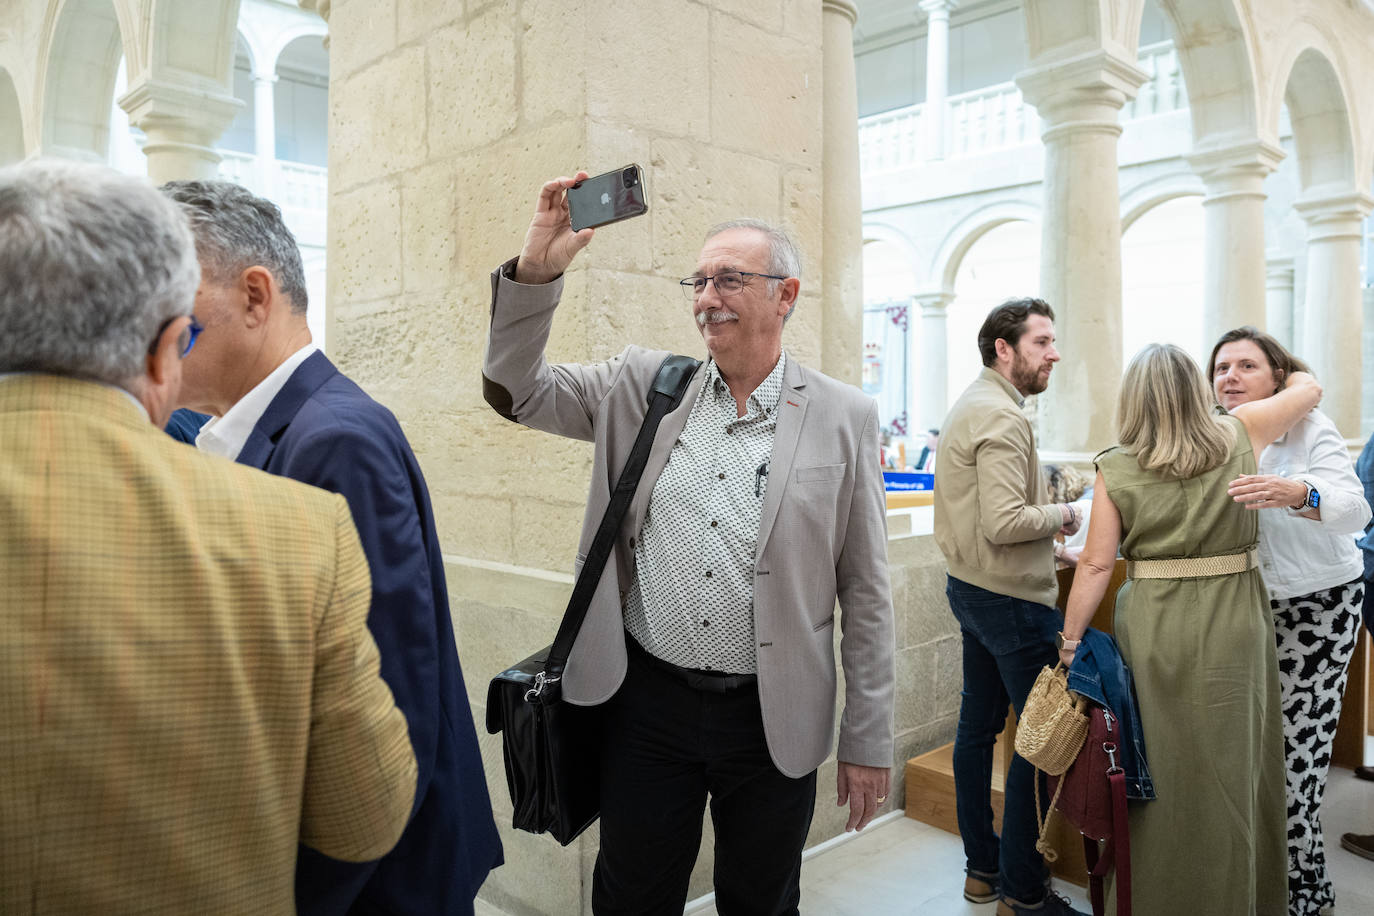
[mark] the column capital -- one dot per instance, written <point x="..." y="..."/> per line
<point x="265" y="77"/>
<point x="1083" y="93"/>
<point x="1236" y="170"/>
<point x="938" y="8"/>
<point x="1334" y="216"/>
<point x="183" y="123"/>
<point x="845" y="8"/>
<point x="933" y="301"/>
<point x="319" y="6"/>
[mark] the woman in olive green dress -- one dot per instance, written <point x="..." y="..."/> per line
<point x="1193" y="624"/>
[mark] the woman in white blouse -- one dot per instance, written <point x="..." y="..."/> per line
<point x="1311" y="505"/>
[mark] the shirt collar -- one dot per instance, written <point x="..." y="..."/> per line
<point x="226" y="435"/>
<point x="993" y="375"/>
<point x="764" y="398"/>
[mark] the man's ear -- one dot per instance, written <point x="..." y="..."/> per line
<point x="788" y="289"/>
<point x="162" y="382"/>
<point x="260" y="294"/>
<point x="1004" y="349"/>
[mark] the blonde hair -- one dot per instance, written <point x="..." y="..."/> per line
<point x="1165" y="415"/>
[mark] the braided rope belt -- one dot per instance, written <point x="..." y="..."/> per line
<point x="1193" y="567"/>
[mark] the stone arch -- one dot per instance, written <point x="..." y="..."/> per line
<point x="194" y="38"/>
<point x="310" y="29"/>
<point x="1062" y="27"/>
<point x="882" y="232"/>
<point x="945" y="267"/>
<point x="11" y="121"/>
<point x="1216" y="53"/>
<point x="1147" y="195"/>
<point x="83" y="41"/>
<point x="1311" y="77"/>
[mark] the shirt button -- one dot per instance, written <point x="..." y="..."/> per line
<point x="632" y="543"/>
<point x="708" y="573"/>
<point x="714" y="523"/>
<point x="729" y="431"/>
<point x="706" y="623"/>
<point x="721" y="476"/>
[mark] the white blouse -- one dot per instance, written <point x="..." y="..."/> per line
<point x="1299" y="556"/>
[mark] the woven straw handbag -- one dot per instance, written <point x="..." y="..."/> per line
<point x="1053" y="724"/>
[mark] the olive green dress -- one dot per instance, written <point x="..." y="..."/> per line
<point x="1206" y="676"/>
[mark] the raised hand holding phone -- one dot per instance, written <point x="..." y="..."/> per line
<point x="550" y="243"/>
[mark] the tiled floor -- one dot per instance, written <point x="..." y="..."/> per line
<point x="902" y="867"/>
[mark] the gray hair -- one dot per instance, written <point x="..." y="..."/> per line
<point x="784" y="257"/>
<point x="236" y="230"/>
<point x="92" y="264"/>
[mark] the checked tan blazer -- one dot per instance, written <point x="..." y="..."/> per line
<point x="187" y="685"/>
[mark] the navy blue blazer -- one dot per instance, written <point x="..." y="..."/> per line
<point x="324" y="430"/>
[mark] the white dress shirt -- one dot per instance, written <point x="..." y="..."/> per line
<point x="226" y="435"/>
<point x="1299" y="556"/>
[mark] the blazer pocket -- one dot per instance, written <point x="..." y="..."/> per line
<point x="821" y="472"/>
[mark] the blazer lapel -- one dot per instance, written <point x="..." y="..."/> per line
<point x="669" y="429"/>
<point x="304" y="382"/>
<point x="791" y="413"/>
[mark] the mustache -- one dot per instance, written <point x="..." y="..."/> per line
<point x="715" y="317"/>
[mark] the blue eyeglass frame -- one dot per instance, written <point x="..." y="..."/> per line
<point x="194" y="329"/>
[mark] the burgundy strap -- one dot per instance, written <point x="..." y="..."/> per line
<point x="1116" y="852"/>
<point x="1121" y="839"/>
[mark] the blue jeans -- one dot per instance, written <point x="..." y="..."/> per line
<point x="1006" y="643"/>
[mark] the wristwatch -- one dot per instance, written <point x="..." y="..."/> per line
<point x="1312" y="500"/>
<point x="1061" y="643"/>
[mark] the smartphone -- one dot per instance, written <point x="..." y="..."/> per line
<point x="607" y="198"/>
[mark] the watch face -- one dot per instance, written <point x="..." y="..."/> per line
<point x="1313" y="499"/>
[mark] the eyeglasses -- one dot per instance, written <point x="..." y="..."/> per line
<point x="193" y="331"/>
<point x="728" y="282"/>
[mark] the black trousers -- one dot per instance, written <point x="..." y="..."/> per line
<point x="667" y="746"/>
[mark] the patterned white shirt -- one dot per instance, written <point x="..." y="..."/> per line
<point x="692" y="599"/>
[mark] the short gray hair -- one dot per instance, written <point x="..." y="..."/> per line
<point x="236" y="230"/>
<point x="92" y="264"/>
<point x="784" y="257"/>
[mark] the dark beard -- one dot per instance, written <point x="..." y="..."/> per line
<point x="1025" y="378"/>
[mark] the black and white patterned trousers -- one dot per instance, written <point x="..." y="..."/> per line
<point x="1316" y="636"/>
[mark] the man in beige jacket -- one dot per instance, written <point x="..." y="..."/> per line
<point x="995" y="528"/>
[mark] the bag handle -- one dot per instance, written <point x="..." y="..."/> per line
<point x="665" y="394"/>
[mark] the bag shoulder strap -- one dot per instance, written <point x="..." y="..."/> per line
<point x="665" y="394"/>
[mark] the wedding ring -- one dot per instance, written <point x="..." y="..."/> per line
<point x="881" y="799"/>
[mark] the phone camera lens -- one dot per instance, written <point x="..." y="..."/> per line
<point x="629" y="178"/>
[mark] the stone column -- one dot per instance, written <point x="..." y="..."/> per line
<point x="841" y="210"/>
<point x="937" y="73"/>
<point x="932" y="379"/>
<point x="1367" y="389"/>
<point x="1334" y="309"/>
<point x="182" y="123"/>
<point x="265" y="131"/>
<point x="1233" y="208"/>
<point x="1278" y="300"/>
<point x="1080" y="257"/>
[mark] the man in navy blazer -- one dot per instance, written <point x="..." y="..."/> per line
<point x="279" y="404"/>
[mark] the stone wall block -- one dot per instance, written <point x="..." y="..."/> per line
<point x="698" y="186"/>
<point x="801" y="216"/>
<point x="429" y="205"/>
<point x="417" y="18"/>
<point x="802" y="20"/>
<point x="766" y="14"/>
<point x="802" y="334"/>
<point x="365" y="245"/>
<point x="643" y="309"/>
<point x="949" y="675"/>
<point x="916" y="677"/>
<point x="546" y="531"/>
<point x="376" y="130"/>
<point x="472" y="84"/>
<point x="492" y="638"/>
<point x="469" y="525"/>
<point x="553" y="80"/>
<point x="497" y="190"/>
<point x="360" y="32"/>
<point x="628" y="244"/>
<point x="927" y="612"/>
<point x="747" y="64"/>
<point x="640" y="82"/>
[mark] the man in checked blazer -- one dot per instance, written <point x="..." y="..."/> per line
<point x="187" y="685"/>
<point x="710" y="635"/>
<point x="280" y="405"/>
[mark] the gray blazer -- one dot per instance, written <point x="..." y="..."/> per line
<point x="822" y="533"/>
